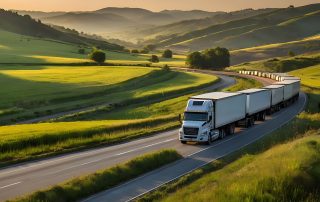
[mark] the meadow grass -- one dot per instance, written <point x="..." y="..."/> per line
<point x="242" y="84"/>
<point x="282" y="166"/>
<point x="39" y="92"/>
<point x="79" y="188"/>
<point x="280" y="64"/>
<point x="19" y="49"/>
<point x="32" y="141"/>
<point x="310" y="76"/>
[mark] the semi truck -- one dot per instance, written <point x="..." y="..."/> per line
<point x="212" y="115"/>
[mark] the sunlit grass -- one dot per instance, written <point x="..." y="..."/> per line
<point x="310" y="76"/>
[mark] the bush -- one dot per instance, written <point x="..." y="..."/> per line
<point x="126" y="50"/>
<point x="167" y="54"/>
<point x="154" y="59"/>
<point x="210" y="58"/>
<point x="97" y="56"/>
<point x="165" y="68"/>
<point x="134" y="51"/>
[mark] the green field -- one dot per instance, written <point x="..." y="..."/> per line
<point x="310" y="76"/>
<point x="15" y="48"/>
<point x="41" y="90"/>
<point x="280" y="64"/>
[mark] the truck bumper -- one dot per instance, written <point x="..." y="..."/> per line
<point x="197" y="139"/>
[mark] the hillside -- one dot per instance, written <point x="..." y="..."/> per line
<point x="278" y="26"/>
<point x="90" y="21"/>
<point x="151" y="35"/>
<point x="120" y="23"/>
<point x="25" y="25"/>
<point x="310" y="44"/>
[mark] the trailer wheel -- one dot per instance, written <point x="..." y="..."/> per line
<point x="232" y="130"/>
<point x="183" y="142"/>
<point x="263" y="116"/>
<point x="251" y="122"/>
<point x="222" y="134"/>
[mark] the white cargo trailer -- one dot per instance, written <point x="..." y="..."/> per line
<point x="212" y="115"/>
<point x="276" y="96"/>
<point x="291" y="90"/>
<point x="257" y="104"/>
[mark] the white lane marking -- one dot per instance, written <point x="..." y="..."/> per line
<point x="186" y="173"/>
<point x="10" y="185"/>
<point x="23" y="167"/>
<point x="119" y="154"/>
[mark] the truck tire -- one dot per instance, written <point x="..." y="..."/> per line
<point x="233" y="128"/>
<point x="222" y="134"/>
<point x="183" y="142"/>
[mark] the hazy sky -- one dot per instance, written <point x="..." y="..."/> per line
<point x="156" y="5"/>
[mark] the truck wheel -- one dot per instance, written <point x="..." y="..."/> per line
<point x="251" y="122"/>
<point x="183" y="142"/>
<point x="263" y="116"/>
<point x="232" y="129"/>
<point x="222" y="134"/>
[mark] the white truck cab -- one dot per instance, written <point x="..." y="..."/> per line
<point x="211" y="115"/>
<point x="197" y="122"/>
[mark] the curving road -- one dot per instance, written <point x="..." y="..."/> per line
<point x="28" y="177"/>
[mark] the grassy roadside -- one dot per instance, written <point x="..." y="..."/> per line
<point x="27" y="142"/>
<point x="282" y="176"/>
<point x="85" y="186"/>
<point x="242" y="84"/>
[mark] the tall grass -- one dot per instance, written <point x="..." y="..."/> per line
<point x="85" y="186"/>
<point x="25" y="142"/>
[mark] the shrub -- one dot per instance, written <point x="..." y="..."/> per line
<point x="165" y="68"/>
<point x="134" y="51"/>
<point x="167" y="54"/>
<point x="210" y="58"/>
<point x="97" y="56"/>
<point x="154" y="59"/>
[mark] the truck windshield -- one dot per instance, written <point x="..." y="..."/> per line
<point x="195" y="116"/>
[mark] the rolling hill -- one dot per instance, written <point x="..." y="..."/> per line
<point x="90" y="21"/>
<point x="153" y="34"/>
<point x="277" y="26"/>
<point x="310" y="44"/>
<point x="120" y="23"/>
<point x="25" y="25"/>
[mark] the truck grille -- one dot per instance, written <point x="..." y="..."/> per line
<point x="190" y="131"/>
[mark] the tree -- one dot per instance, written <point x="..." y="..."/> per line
<point x="210" y="58"/>
<point x="195" y="59"/>
<point x="97" y="56"/>
<point x="134" y="51"/>
<point x="154" y="59"/>
<point x="291" y="54"/>
<point x="167" y="54"/>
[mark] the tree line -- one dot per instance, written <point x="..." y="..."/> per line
<point x="214" y="58"/>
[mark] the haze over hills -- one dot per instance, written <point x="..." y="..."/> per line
<point x="12" y="22"/>
<point x="115" y="22"/>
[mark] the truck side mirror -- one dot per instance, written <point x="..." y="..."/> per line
<point x="180" y="118"/>
<point x="210" y="118"/>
